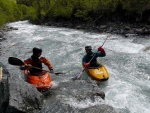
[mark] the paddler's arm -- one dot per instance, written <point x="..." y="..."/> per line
<point x="83" y="60"/>
<point x="28" y="61"/>
<point x="26" y="64"/>
<point x="47" y="63"/>
<point x="84" y="63"/>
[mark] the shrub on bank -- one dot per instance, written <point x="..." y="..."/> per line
<point x="93" y="11"/>
<point x="11" y="11"/>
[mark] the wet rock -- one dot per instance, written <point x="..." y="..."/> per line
<point x="143" y="31"/>
<point x="99" y="93"/>
<point x="103" y="27"/>
<point x="127" y="27"/>
<point x="78" y="27"/>
<point x="1" y="39"/>
<point x="139" y="31"/>
<point x="17" y="96"/>
<point x="5" y="29"/>
<point x="129" y="35"/>
<point x="4" y="95"/>
<point x="131" y="31"/>
<point x="146" y="49"/>
<point x="23" y="96"/>
<point x="68" y="96"/>
<point x="99" y="109"/>
<point x="121" y="28"/>
<point x="1" y="35"/>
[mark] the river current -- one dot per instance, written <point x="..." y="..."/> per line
<point x="127" y="60"/>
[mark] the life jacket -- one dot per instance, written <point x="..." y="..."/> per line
<point x="90" y="56"/>
<point x="93" y="62"/>
<point x="36" y="63"/>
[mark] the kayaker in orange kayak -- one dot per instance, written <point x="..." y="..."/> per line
<point x="36" y="61"/>
<point x="87" y="62"/>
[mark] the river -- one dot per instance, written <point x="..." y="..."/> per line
<point x="127" y="60"/>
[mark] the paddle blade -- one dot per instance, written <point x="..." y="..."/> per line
<point x="78" y="75"/>
<point x="15" y="61"/>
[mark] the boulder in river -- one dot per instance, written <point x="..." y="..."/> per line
<point x="17" y="96"/>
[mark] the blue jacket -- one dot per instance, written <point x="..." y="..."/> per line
<point x="93" y="62"/>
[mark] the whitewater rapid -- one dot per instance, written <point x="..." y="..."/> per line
<point x="127" y="61"/>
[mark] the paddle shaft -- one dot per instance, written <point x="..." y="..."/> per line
<point x="97" y="51"/>
<point x="104" y="41"/>
<point x="45" y="70"/>
<point x="17" y="62"/>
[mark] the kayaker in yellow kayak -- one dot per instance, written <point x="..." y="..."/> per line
<point x="87" y="62"/>
<point x="36" y="61"/>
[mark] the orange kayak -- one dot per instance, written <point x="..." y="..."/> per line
<point x="41" y="81"/>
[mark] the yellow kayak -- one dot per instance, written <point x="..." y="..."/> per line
<point x="98" y="73"/>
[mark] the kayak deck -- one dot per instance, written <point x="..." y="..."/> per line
<point x="98" y="73"/>
<point x="41" y="82"/>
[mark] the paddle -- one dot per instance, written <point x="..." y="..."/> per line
<point x="18" y="62"/>
<point x="78" y="75"/>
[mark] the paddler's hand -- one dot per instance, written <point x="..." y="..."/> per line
<point x="27" y="65"/>
<point x="51" y="70"/>
<point x="102" y="50"/>
<point x="87" y="64"/>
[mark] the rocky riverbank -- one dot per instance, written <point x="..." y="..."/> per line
<point x="5" y="29"/>
<point x="121" y="28"/>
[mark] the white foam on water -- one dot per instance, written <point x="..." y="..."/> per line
<point x="124" y="45"/>
<point x="54" y="84"/>
<point x="81" y="103"/>
<point x="117" y="95"/>
<point x="37" y="38"/>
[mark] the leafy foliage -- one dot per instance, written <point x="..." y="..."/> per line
<point x="86" y="10"/>
<point x="11" y="11"/>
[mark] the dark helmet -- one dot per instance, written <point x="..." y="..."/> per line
<point x="36" y="51"/>
<point x="88" y="48"/>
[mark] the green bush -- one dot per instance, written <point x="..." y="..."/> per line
<point x="11" y="11"/>
<point x="89" y="10"/>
